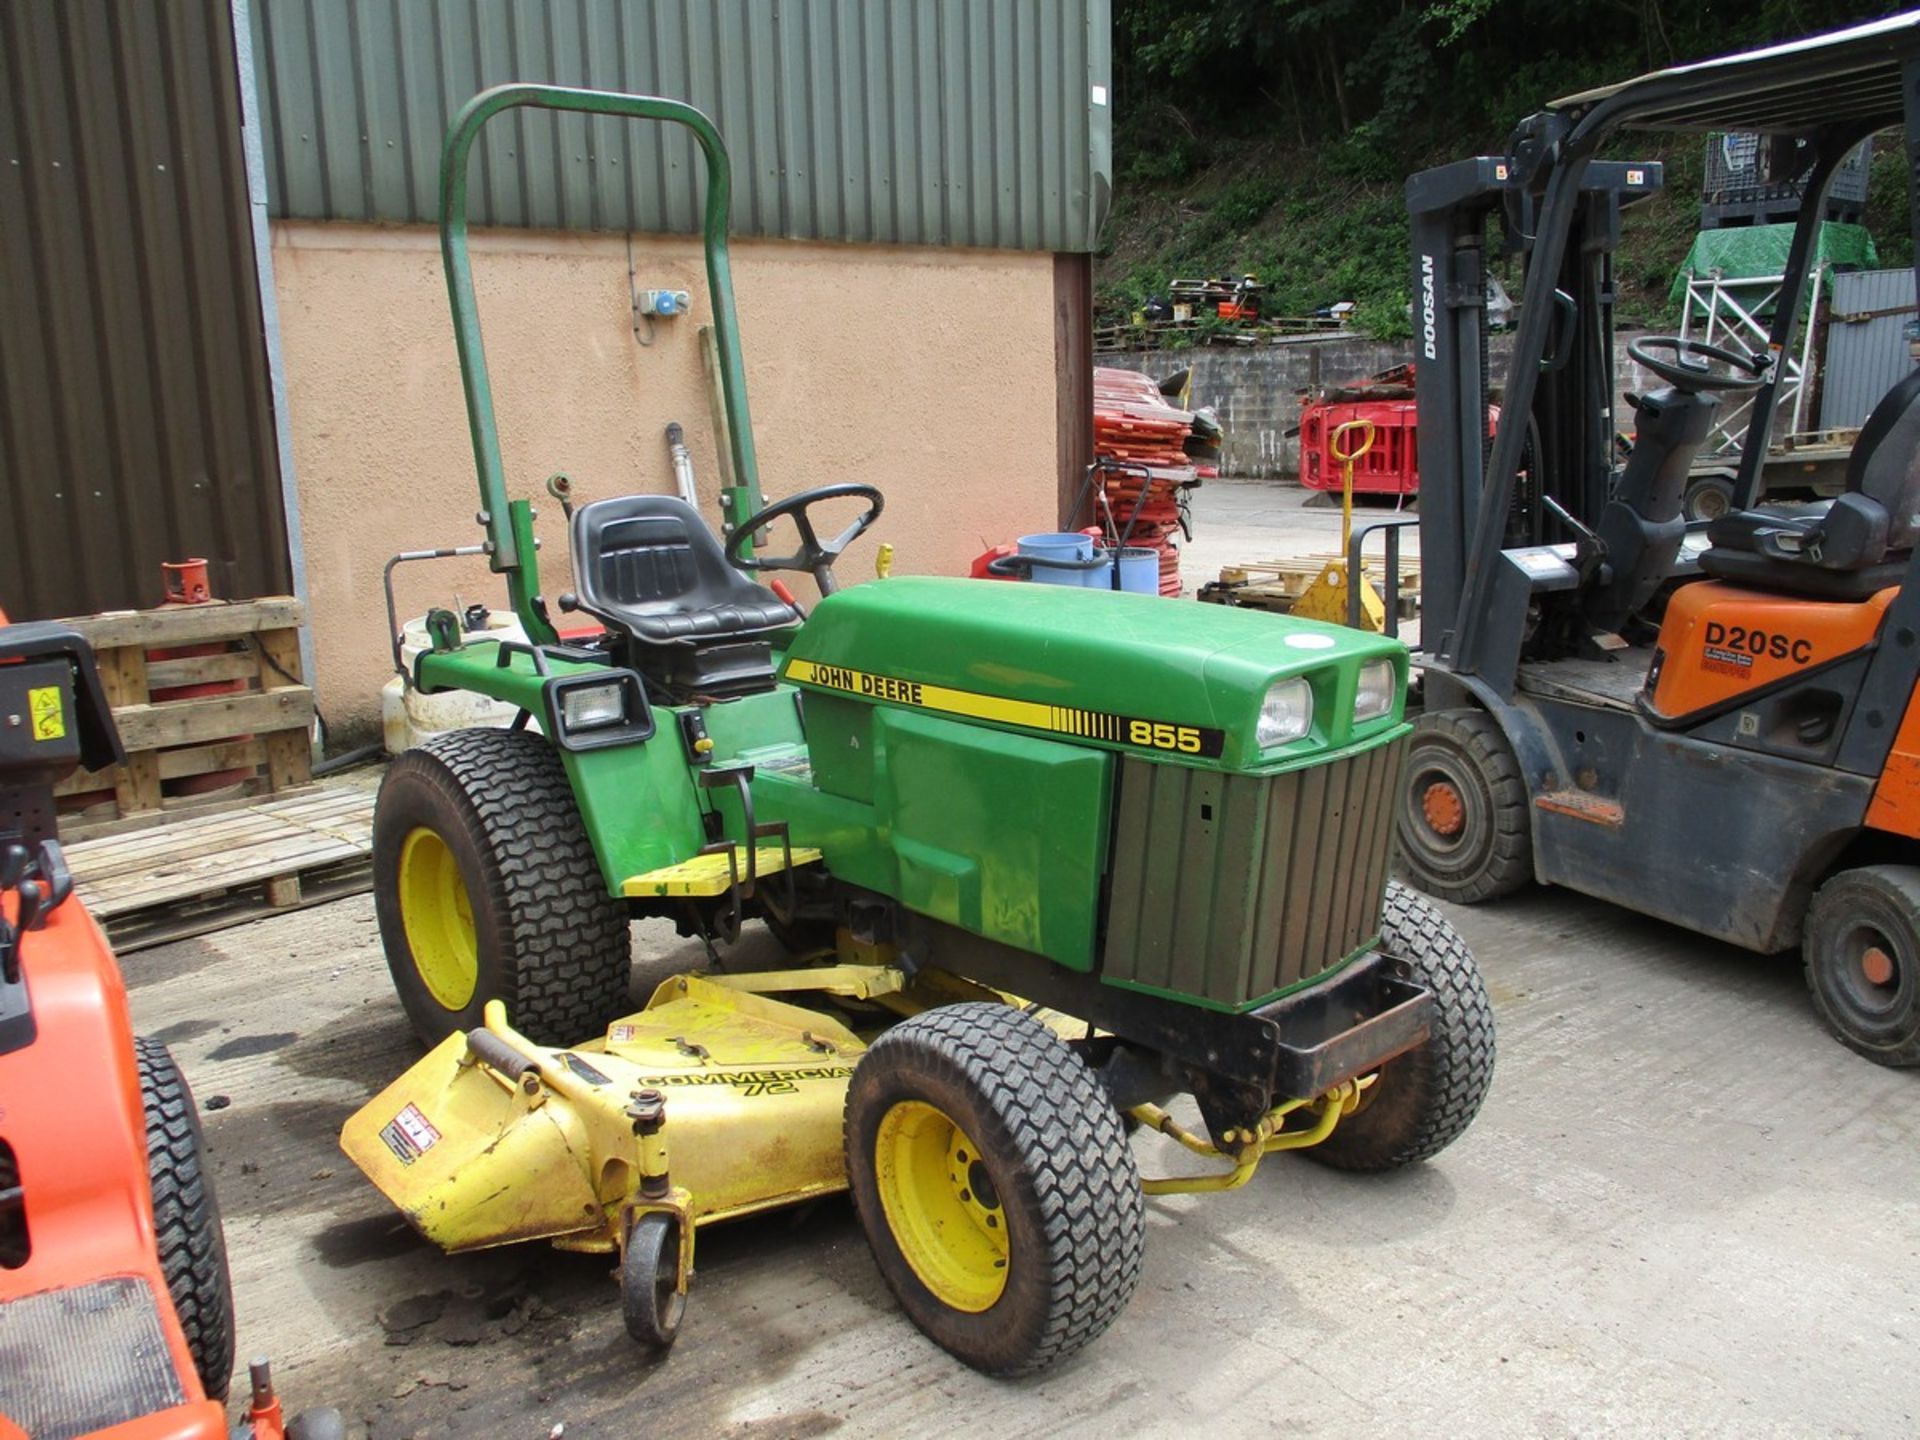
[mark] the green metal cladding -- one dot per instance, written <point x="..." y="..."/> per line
<point x="922" y="122"/>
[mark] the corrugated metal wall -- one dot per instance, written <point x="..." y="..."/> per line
<point x="135" y="424"/>
<point x="938" y="122"/>
<point x="1866" y="344"/>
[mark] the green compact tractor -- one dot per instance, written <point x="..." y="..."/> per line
<point x="1045" y="859"/>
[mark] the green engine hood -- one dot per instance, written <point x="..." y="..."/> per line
<point x="1176" y="679"/>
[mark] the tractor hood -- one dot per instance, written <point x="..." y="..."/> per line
<point x="1127" y="672"/>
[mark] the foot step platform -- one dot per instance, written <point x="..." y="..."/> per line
<point x="705" y="876"/>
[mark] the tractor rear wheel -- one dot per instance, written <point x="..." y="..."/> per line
<point x="487" y="889"/>
<point x="1463" y="822"/>
<point x="995" y="1185"/>
<point x="186" y="1217"/>
<point x="1423" y="1100"/>
<point x="1862" y="951"/>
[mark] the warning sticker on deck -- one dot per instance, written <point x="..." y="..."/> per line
<point x="409" y="1134"/>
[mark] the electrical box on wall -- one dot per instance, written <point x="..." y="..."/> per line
<point x="664" y="303"/>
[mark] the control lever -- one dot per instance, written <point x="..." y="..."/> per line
<point x="13" y="866"/>
<point x="54" y="874"/>
<point x="32" y="897"/>
<point x="1589" y="550"/>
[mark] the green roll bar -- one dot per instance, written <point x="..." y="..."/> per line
<point x="509" y="524"/>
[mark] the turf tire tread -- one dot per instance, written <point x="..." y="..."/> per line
<point x="567" y="940"/>
<point x="1450" y="1073"/>
<point x="1056" y="1116"/>
<point x="186" y="1217"/>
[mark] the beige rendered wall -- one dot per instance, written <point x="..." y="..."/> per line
<point x="929" y="373"/>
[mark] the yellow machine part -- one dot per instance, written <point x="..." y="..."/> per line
<point x="1326" y="599"/>
<point x="706" y="876"/>
<point x="754" y="1089"/>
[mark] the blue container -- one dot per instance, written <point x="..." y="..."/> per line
<point x="1139" y="571"/>
<point x="1061" y="546"/>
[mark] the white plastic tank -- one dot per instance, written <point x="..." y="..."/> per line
<point x="408" y="717"/>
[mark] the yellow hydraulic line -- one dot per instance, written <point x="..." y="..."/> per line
<point x="1262" y="1140"/>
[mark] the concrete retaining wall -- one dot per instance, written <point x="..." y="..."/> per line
<point x="1257" y="391"/>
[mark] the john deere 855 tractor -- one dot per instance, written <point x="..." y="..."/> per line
<point x="1047" y="859"/>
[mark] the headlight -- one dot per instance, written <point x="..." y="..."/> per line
<point x="588" y="707"/>
<point x="1374" y="697"/>
<point x="1286" y="714"/>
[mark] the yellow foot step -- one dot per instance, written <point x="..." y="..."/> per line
<point x="708" y="875"/>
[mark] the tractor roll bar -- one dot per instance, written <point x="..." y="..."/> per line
<point x="508" y="536"/>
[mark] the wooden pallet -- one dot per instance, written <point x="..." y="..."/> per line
<point x="194" y="754"/>
<point x="206" y="872"/>
<point x="1276" y="584"/>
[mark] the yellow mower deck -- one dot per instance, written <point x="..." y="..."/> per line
<point x="753" y="1087"/>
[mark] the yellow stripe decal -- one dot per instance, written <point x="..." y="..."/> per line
<point x="1034" y="715"/>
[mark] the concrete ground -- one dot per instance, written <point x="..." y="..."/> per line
<point x="1684" y="1210"/>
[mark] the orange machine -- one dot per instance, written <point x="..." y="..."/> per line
<point x="116" y="1315"/>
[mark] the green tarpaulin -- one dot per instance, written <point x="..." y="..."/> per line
<point x="1753" y="250"/>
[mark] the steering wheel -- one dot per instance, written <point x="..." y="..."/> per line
<point x="1689" y="370"/>
<point x="813" y="556"/>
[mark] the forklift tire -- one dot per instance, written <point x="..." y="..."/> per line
<point x="650" y="1281"/>
<point x="995" y="1185"/>
<point x="1463" y="822"/>
<point x="1425" y="1099"/>
<point x="1862" y="950"/>
<point x="487" y="889"/>
<point x="186" y="1217"/>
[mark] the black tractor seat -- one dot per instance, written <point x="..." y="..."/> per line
<point x="648" y="566"/>
<point x="1847" y="548"/>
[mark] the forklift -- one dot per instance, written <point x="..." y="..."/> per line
<point x="1044" y="858"/>
<point x="1710" y="722"/>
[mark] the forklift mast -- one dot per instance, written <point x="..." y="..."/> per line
<point x="1497" y="517"/>
<point x="1567" y="460"/>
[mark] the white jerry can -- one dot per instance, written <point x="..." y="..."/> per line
<point x="408" y="717"/>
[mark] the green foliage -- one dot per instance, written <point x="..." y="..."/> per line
<point x="1385" y="317"/>
<point x="1274" y="136"/>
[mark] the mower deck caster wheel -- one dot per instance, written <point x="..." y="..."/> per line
<point x="650" y="1279"/>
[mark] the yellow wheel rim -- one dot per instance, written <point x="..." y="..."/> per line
<point x="941" y="1205"/>
<point x="438" y="918"/>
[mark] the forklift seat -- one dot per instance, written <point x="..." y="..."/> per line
<point x="1847" y="548"/>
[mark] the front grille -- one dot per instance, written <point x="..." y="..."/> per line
<point x="78" y="1360"/>
<point x="1229" y="888"/>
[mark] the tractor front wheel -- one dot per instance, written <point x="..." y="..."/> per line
<point x="186" y="1217"/>
<point x="1423" y="1100"/>
<point x="487" y="889"/>
<point x="995" y="1185"/>
<point x="1862" y="952"/>
<point x="1462" y="819"/>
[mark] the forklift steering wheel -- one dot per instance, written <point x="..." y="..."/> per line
<point x="1693" y="376"/>
<point x="813" y="556"/>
